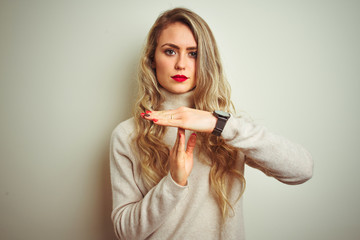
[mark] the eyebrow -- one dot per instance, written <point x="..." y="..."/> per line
<point x="177" y="47"/>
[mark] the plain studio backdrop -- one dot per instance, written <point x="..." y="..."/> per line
<point x="67" y="71"/>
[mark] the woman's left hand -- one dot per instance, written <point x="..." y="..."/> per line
<point x="183" y="117"/>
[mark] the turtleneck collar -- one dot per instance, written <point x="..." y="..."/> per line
<point x="173" y="100"/>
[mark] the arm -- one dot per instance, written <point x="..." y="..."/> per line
<point x="274" y="155"/>
<point x="135" y="214"/>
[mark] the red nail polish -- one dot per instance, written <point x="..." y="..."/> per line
<point x="155" y="120"/>
<point x="142" y="114"/>
<point x="147" y="111"/>
<point x="193" y="134"/>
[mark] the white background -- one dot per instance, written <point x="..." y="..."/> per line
<point x="67" y="78"/>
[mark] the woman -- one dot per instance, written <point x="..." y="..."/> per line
<point x="165" y="188"/>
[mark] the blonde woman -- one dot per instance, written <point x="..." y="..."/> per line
<point x="177" y="166"/>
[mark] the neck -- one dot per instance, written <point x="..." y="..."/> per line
<point x="176" y="100"/>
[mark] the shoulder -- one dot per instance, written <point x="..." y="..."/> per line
<point x="124" y="130"/>
<point x="125" y="127"/>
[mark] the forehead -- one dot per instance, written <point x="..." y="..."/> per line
<point x="177" y="33"/>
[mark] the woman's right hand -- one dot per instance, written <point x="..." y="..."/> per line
<point x="181" y="160"/>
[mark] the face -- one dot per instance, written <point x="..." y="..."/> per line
<point x="175" y="58"/>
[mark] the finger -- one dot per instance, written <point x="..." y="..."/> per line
<point x="169" y="122"/>
<point x="166" y="114"/>
<point x="176" y="144"/>
<point x="181" y="147"/>
<point x="168" y="118"/>
<point x="191" y="144"/>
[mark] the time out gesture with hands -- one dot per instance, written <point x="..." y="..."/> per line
<point x="181" y="159"/>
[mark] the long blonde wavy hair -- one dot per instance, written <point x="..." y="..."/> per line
<point x="212" y="92"/>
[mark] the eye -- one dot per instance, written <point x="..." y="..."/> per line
<point x="169" y="52"/>
<point x="193" y="54"/>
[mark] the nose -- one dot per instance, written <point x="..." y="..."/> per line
<point x="180" y="62"/>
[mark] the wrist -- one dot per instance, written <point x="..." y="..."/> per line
<point x="178" y="182"/>
<point x="222" y="118"/>
<point x="212" y="122"/>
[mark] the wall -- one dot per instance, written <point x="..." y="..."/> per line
<point x="67" y="79"/>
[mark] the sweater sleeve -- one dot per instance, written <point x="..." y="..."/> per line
<point x="136" y="215"/>
<point x="274" y="155"/>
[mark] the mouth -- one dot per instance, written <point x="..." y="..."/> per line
<point x="180" y="78"/>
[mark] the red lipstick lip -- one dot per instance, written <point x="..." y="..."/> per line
<point x="180" y="78"/>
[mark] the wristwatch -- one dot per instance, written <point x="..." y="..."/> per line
<point x="222" y="118"/>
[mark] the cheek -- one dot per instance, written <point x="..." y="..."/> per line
<point x="161" y="64"/>
<point x="194" y="69"/>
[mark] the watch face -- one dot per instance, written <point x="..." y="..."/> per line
<point x="221" y="113"/>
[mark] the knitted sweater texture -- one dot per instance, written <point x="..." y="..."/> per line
<point x="171" y="211"/>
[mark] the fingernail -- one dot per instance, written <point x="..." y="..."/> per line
<point x="194" y="134"/>
<point x="142" y="114"/>
<point x="147" y="111"/>
<point x="147" y="115"/>
<point x="154" y="120"/>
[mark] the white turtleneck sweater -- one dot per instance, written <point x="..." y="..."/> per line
<point x="171" y="211"/>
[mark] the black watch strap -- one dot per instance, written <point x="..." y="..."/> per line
<point x="222" y="118"/>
